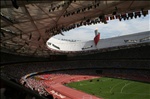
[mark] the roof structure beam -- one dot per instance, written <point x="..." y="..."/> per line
<point x="62" y="12"/>
<point x="8" y="3"/>
<point x="46" y="14"/>
<point x="27" y="21"/>
<point x="9" y="22"/>
<point x="6" y="19"/>
<point x="9" y="32"/>
<point x="32" y="21"/>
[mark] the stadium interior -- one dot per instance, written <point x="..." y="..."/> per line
<point x="35" y="65"/>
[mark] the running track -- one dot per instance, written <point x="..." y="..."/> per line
<point x="59" y="91"/>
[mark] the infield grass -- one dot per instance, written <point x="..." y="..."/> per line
<point x="113" y="88"/>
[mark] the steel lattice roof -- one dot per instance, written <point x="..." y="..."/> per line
<point x="27" y="26"/>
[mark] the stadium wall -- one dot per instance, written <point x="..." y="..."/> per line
<point x="60" y="45"/>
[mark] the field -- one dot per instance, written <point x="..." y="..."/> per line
<point x="111" y="88"/>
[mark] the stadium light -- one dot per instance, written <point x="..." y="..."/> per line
<point x="107" y="18"/>
<point x="124" y="16"/>
<point x="3" y="34"/>
<point x="14" y="2"/>
<point x="30" y="36"/>
<point x="130" y="15"/>
<point x="39" y="38"/>
<point x="135" y="15"/>
<point x="138" y="14"/>
<point x="145" y="13"/>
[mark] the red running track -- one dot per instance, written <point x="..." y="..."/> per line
<point x="71" y="93"/>
<point x="60" y="91"/>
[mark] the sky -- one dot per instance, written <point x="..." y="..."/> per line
<point x="112" y="29"/>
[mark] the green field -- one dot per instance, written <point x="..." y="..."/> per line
<point x="111" y="88"/>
